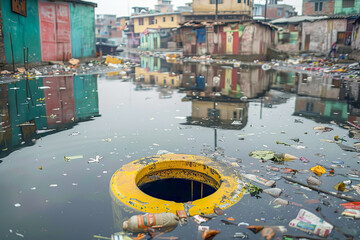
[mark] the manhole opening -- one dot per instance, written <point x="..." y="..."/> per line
<point x="178" y="181"/>
<point x="177" y="190"/>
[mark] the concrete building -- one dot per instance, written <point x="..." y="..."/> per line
<point x="155" y="29"/>
<point x="164" y="6"/>
<point x="227" y="10"/>
<point x="331" y="7"/>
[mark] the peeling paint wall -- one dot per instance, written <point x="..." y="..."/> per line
<point x="355" y="44"/>
<point x="322" y="34"/>
<point x="343" y="10"/>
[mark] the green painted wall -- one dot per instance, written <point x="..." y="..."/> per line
<point x="338" y="8"/>
<point x="82" y="20"/>
<point x="25" y="32"/>
<point x="148" y="41"/>
<point x="334" y="106"/>
<point x="86" y="97"/>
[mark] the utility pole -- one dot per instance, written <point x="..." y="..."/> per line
<point x="266" y="2"/>
<point x="216" y="9"/>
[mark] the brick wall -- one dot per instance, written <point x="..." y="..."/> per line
<point x="2" y="45"/>
<point x="327" y="8"/>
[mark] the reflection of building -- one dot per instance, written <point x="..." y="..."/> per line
<point x="322" y="87"/>
<point x="231" y="83"/>
<point x="286" y="81"/>
<point x="321" y="110"/>
<point x="226" y="114"/>
<point x="59" y="99"/>
<point x="31" y="107"/>
<point x="157" y="78"/>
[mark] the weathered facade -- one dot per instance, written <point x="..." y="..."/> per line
<point x="154" y="29"/>
<point x="45" y="29"/>
<point x="228" y="10"/>
<point x="355" y="44"/>
<point x="248" y="41"/>
<point x="347" y="7"/>
<point x="331" y="7"/>
<point x="318" y="7"/>
<point x="317" y="34"/>
<point x="82" y="30"/>
<point x="24" y="30"/>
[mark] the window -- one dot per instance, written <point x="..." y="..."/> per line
<point x="279" y="11"/>
<point x="164" y="19"/>
<point x="235" y="115"/>
<point x="214" y="1"/>
<point x="348" y="3"/>
<point x="248" y="2"/>
<point x="165" y="81"/>
<point x="239" y="1"/>
<point x="141" y="21"/>
<point x="151" y="20"/>
<point x="318" y="6"/>
<point x="172" y="19"/>
<point x="155" y="21"/>
<point x="172" y="81"/>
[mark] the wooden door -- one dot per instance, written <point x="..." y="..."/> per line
<point x="55" y="31"/>
<point x="307" y="41"/>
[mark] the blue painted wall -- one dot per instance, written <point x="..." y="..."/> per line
<point x="25" y="32"/>
<point x="82" y="20"/>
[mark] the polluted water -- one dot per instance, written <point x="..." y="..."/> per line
<point x="273" y="130"/>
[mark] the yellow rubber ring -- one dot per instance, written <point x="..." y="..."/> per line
<point x="125" y="181"/>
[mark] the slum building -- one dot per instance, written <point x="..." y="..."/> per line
<point x="47" y="30"/>
<point x="247" y="40"/>
<point x="317" y="33"/>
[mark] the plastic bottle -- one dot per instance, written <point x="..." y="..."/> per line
<point x="280" y="157"/>
<point x="140" y="223"/>
<point x="275" y="192"/>
<point x="313" y="181"/>
<point x="351" y="213"/>
<point x="261" y="180"/>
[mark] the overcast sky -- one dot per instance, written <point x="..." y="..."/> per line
<point x="122" y="7"/>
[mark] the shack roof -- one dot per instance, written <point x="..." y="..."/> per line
<point x="297" y="19"/>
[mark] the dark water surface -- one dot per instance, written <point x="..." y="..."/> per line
<point x="52" y="126"/>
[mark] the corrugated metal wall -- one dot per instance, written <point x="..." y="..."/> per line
<point x="25" y="32"/>
<point x="82" y="19"/>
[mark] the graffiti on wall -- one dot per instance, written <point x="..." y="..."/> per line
<point x="19" y="7"/>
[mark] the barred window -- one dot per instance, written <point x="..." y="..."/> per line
<point x="348" y="3"/>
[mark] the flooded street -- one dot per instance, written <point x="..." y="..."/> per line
<point x="54" y="129"/>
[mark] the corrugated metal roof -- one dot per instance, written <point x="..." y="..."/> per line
<point x="297" y="19"/>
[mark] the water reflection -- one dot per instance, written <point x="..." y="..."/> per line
<point x="220" y="95"/>
<point x="34" y="108"/>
